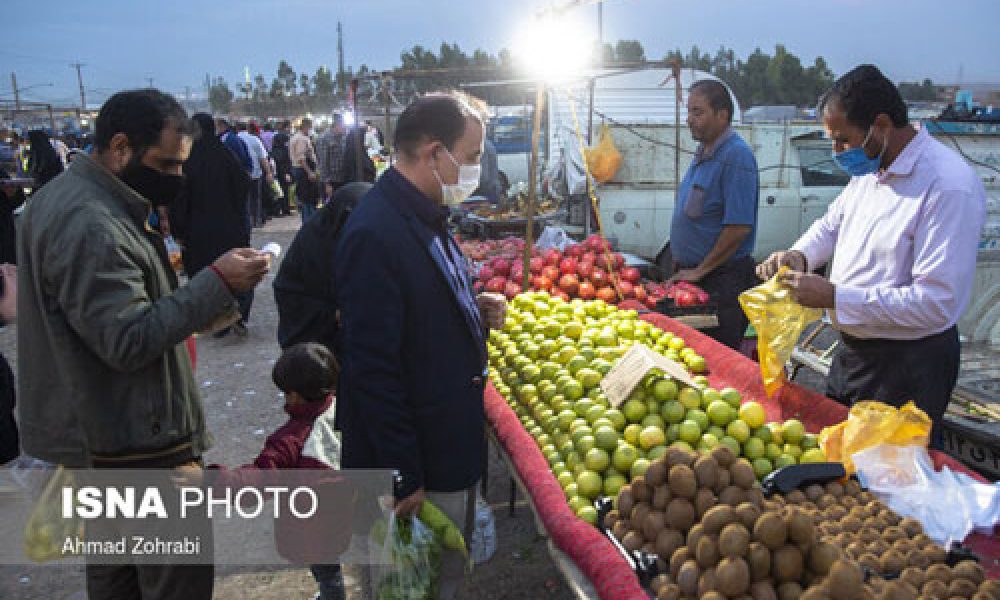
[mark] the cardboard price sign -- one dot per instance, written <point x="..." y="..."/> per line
<point x="633" y="366"/>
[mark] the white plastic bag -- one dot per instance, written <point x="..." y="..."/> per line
<point x="484" y="538"/>
<point x="949" y="505"/>
<point x="553" y="237"/>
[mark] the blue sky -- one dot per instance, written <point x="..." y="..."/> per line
<point x="176" y="42"/>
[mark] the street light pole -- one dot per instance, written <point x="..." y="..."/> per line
<point x="17" y="95"/>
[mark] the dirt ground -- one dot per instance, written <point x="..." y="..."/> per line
<point x="242" y="408"/>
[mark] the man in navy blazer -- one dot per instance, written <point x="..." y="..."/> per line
<point x="413" y="333"/>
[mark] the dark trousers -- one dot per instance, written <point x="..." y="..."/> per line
<point x="330" y="581"/>
<point x="897" y="371"/>
<point x="150" y="582"/>
<point x="724" y="285"/>
<point x="255" y="213"/>
<point x="283" y="205"/>
<point x="9" y="441"/>
<point x="245" y="302"/>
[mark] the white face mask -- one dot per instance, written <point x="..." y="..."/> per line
<point x="454" y="194"/>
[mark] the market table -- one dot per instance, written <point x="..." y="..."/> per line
<point x="596" y="564"/>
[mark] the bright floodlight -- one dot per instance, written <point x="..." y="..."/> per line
<point x="349" y="118"/>
<point x="554" y="47"/>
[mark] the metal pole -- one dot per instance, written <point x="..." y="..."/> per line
<point x="79" y="80"/>
<point x="677" y="127"/>
<point x="52" y="119"/>
<point x="17" y="95"/>
<point x="590" y="140"/>
<point x="359" y="142"/>
<point x="529" y="211"/>
<point x="386" y="81"/>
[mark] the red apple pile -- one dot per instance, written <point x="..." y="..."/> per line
<point x="683" y="293"/>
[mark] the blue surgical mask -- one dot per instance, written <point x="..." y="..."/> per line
<point x="856" y="162"/>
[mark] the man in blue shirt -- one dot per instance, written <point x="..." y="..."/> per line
<point x="715" y="216"/>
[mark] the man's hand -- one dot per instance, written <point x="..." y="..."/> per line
<point x="810" y="290"/>
<point x="243" y="268"/>
<point x="410" y="506"/>
<point x="328" y="188"/>
<point x="693" y="275"/>
<point x="8" y="301"/>
<point x="793" y="259"/>
<point x="493" y="309"/>
<point x="189" y="475"/>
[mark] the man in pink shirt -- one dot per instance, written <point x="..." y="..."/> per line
<point x="901" y="241"/>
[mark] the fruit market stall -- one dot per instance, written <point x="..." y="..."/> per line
<point x="565" y="448"/>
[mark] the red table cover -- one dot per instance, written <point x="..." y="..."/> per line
<point x="592" y="553"/>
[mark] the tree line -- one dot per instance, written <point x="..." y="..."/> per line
<point x="762" y="78"/>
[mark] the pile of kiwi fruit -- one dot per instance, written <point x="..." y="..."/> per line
<point x="715" y="536"/>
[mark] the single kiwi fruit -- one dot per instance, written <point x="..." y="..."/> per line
<point x="680" y="514"/>
<point x="742" y="474"/>
<point x="939" y="572"/>
<point x="734" y="541"/>
<point x="707" y="582"/>
<point x="852" y="488"/>
<point x="826" y="501"/>
<point x="648" y="548"/>
<point x="856" y="549"/>
<point x="913" y="576"/>
<point x="800" y="528"/>
<point x="733" y="496"/>
<point x="912" y="527"/>
<point x="620" y="528"/>
<point x="659" y="581"/>
<point x="892" y="562"/>
<point x="786" y="564"/>
<point x="969" y="569"/>
<point x="625" y="500"/>
<point x="934" y="588"/>
<point x="790" y="590"/>
<point x="759" y="558"/>
<point x="653" y="524"/>
<point x="851" y="524"/>
<point x="845" y="580"/>
<point x="814" y="491"/>
<point x="747" y="514"/>
<point x="632" y="541"/>
<point x="707" y="551"/>
<point x="661" y="496"/>
<point x="656" y="472"/>
<point x="682" y="482"/>
<point x="963" y="588"/>
<point x="724" y="456"/>
<point x="755" y="496"/>
<point x="722" y="481"/>
<point x="676" y="455"/>
<point x="935" y="553"/>
<point x="704" y="499"/>
<point x="671" y="591"/>
<point x="642" y="491"/>
<point x="835" y="489"/>
<point x="732" y="576"/>
<point x="711" y="594"/>
<point x="679" y="557"/>
<point x="795" y="497"/>
<point x="770" y="530"/>
<point x="822" y="555"/>
<point x="763" y="590"/>
<point x="893" y="533"/>
<point x="667" y="542"/>
<point x="693" y="535"/>
<point x="898" y="590"/>
<point x="687" y="578"/>
<point x="718" y="517"/>
<point x="611" y="518"/>
<point x="639" y="512"/>
<point x="706" y="471"/>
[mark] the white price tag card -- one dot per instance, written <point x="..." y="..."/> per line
<point x="632" y="367"/>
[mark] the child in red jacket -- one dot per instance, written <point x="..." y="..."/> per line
<point x="307" y="374"/>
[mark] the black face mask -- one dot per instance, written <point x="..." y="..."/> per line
<point x="157" y="187"/>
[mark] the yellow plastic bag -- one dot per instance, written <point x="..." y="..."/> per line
<point x="46" y="530"/>
<point x="603" y="158"/>
<point x="779" y="321"/>
<point x="872" y="423"/>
